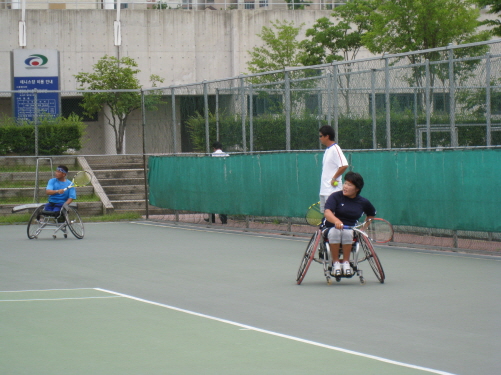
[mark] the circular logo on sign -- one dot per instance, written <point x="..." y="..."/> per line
<point x="36" y="60"/>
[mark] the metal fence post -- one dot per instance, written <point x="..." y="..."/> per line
<point x="329" y="99"/>
<point x="373" y="108"/>
<point x="174" y="125"/>
<point x="35" y="116"/>
<point x="428" y="106"/>
<point x="336" y="103"/>
<point x="145" y="169"/>
<point x="488" y="135"/>
<point x="452" y="99"/>
<point x="387" y="101"/>
<point x="206" y="115"/>
<point x="242" y="112"/>
<point x="287" y="111"/>
<point x="217" y="114"/>
<point x="251" y="117"/>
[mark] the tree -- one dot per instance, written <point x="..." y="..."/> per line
<point x="111" y="73"/>
<point x="412" y="25"/>
<point x="341" y="40"/>
<point x="280" y="50"/>
<point x="495" y="7"/>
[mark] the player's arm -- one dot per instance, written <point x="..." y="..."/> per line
<point x="331" y="218"/>
<point x="338" y="173"/>
<point x="49" y="190"/>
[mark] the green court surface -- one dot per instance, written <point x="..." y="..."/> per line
<point x="146" y="298"/>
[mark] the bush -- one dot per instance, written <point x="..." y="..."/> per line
<point x="355" y="133"/>
<point x="55" y="136"/>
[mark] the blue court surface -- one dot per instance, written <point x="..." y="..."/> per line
<point x="150" y="298"/>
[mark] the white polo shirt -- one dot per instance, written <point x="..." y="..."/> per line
<point x="333" y="160"/>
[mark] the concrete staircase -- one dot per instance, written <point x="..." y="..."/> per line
<point x="122" y="180"/>
<point x="119" y="182"/>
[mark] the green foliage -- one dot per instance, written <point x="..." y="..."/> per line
<point x="55" y="136"/>
<point x="280" y="50"/>
<point x="495" y="8"/>
<point x="340" y="40"/>
<point x="268" y="132"/>
<point x="111" y="73"/>
<point x="411" y="25"/>
<point x="354" y="132"/>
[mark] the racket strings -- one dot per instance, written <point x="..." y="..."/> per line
<point x="82" y="178"/>
<point x="379" y="231"/>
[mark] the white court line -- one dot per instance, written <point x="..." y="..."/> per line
<point x="53" y="299"/>
<point x="43" y="290"/>
<point x="246" y="327"/>
<point x="222" y="231"/>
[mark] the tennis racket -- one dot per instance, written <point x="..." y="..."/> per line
<point x="82" y="178"/>
<point x="377" y="230"/>
<point x="313" y="215"/>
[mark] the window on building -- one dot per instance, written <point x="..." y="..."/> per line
<point x="249" y="5"/>
<point x="266" y="104"/>
<point x="72" y="106"/>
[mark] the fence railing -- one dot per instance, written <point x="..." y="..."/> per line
<point x="447" y="97"/>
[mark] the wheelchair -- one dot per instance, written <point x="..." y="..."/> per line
<point x="361" y="250"/>
<point x="66" y="218"/>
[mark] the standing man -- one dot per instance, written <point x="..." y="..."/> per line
<point x="218" y="152"/>
<point x="333" y="165"/>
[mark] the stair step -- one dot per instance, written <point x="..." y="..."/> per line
<point x="106" y="182"/>
<point x="119" y="174"/>
<point x="126" y="197"/>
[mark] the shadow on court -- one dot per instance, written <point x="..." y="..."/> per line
<point x="436" y="312"/>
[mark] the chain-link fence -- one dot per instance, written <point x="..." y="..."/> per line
<point x="435" y="99"/>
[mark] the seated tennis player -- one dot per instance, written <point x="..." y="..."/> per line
<point x="55" y="190"/>
<point x="344" y="208"/>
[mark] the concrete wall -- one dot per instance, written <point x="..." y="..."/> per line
<point x="180" y="46"/>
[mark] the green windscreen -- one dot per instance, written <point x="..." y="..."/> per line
<point x="450" y="189"/>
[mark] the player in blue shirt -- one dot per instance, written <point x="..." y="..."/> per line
<point x="345" y="208"/>
<point x="55" y="190"/>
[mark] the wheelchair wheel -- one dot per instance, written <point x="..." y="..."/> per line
<point x="308" y="256"/>
<point x="371" y="256"/>
<point x="75" y="223"/>
<point x="34" y="226"/>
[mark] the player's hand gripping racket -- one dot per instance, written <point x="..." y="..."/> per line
<point x="378" y="230"/>
<point x="82" y="178"/>
<point x="313" y="215"/>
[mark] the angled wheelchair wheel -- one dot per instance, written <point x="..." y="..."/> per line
<point x="371" y="256"/>
<point x="35" y="225"/>
<point x="75" y="223"/>
<point x="308" y="256"/>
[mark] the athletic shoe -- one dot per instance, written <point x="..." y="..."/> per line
<point x="336" y="269"/>
<point x="347" y="269"/>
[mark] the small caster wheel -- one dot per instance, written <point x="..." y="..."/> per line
<point x="54" y="236"/>
<point x="329" y="281"/>
<point x="338" y="279"/>
<point x="362" y="281"/>
<point x="65" y="235"/>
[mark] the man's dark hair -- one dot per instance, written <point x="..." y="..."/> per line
<point x="356" y="179"/>
<point x="217" y="145"/>
<point x="64" y="168"/>
<point x="327" y="130"/>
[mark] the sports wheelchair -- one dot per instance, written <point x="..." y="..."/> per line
<point x="361" y="250"/>
<point x="56" y="221"/>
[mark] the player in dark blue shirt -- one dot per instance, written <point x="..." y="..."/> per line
<point x="345" y="208"/>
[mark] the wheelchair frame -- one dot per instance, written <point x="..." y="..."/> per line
<point x="320" y="242"/>
<point x="56" y="221"/>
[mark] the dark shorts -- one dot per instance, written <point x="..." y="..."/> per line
<point x="56" y="207"/>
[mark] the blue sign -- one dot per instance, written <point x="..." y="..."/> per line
<point x="36" y="69"/>
<point x="47" y="103"/>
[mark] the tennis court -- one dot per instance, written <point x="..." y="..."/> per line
<point x="144" y="298"/>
